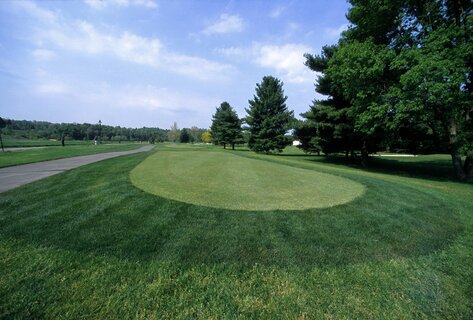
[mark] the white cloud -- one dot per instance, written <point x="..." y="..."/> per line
<point x="277" y="11"/>
<point x="292" y="27"/>
<point x="230" y="51"/>
<point x="102" y="4"/>
<point x="84" y="38"/>
<point x="46" y="83"/>
<point x="334" y="33"/>
<point x="42" y="54"/>
<point x="165" y="99"/>
<point x="149" y="98"/>
<point x="96" y="4"/>
<point x="286" y="60"/>
<point x="225" y="24"/>
<point x="53" y="88"/>
<point x="102" y="100"/>
<point x="45" y="16"/>
<point x="198" y="68"/>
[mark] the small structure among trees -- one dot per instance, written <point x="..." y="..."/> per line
<point x="226" y="126"/>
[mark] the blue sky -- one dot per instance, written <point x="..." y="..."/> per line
<point x="148" y="63"/>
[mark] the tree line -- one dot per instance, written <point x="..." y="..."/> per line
<point x="25" y="129"/>
<point x="399" y="79"/>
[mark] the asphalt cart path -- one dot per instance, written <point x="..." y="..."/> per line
<point x="12" y="177"/>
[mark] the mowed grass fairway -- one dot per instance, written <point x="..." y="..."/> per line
<point x="226" y="180"/>
<point x="87" y="243"/>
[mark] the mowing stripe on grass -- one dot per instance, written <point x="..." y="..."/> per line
<point x="224" y="180"/>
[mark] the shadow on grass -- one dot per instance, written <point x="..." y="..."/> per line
<point x="430" y="168"/>
<point x="95" y="210"/>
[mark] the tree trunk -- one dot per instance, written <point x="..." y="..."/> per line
<point x="62" y="140"/>
<point x="456" y="158"/>
<point x="225" y="146"/>
<point x="1" y="141"/>
<point x="364" y="154"/>
<point x="457" y="166"/>
<point x="233" y="146"/>
<point x="468" y="167"/>
<point x="346" y="154"/>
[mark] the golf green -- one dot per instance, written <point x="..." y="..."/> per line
<point x="226" y="180"/>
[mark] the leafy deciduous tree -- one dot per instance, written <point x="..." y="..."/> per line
<point x="174" y="133"/>
<point x="206" y="137"/>
<point x="405" y="70"/>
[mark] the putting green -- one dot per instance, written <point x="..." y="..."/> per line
<point x="225" y="180"/>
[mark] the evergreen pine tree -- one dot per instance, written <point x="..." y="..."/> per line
<point x="226" y="126"/>
<point x="268" y="117"/>
<point x="185" y="136"/>
<point x="329" y="124"/>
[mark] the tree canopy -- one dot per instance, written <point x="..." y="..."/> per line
<point x="400" y="76"/>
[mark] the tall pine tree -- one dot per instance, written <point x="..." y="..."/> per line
<point x="268" y="117"/>
<point x="329" y="124"/>
<point x="226" y="126"/>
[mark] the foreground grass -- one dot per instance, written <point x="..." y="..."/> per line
<point x="87" y="244"/>
<point x="12" y="158"/>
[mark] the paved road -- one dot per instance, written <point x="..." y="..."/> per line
<point x="12" y="177"/>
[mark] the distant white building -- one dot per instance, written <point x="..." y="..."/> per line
<point x="296" y="142"/>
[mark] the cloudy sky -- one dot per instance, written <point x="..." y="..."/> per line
<point x="141" y="63"/>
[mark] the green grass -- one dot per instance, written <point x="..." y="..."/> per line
<point x="225" y="180"/>
<point x="12" y="158"/>
<point x="436" y="166"/>
<point x="12" y="142"/>
<point x="88" y="244"/>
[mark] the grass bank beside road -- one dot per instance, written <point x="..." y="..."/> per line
<point x="11" y="142"/>
<point x="12" y="158"/>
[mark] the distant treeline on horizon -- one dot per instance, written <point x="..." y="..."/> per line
<point x="27" y="129"/>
